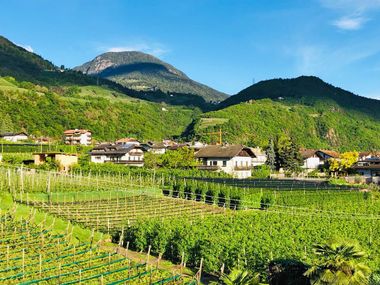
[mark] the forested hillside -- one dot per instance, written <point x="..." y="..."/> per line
<point x="108" y="114"/>
<point x="325" y="125"/>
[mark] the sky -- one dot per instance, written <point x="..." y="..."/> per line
<point x="226" y="44"/>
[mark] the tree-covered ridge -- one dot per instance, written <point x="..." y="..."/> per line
<point x="140" y="71"/>
<point x="16" y="61"/>
<point x="325" y="125"/>
<point x="108" y="114"/>
<point x="306" y="90"/>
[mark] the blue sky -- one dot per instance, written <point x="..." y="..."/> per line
<point x="224" y="44"/>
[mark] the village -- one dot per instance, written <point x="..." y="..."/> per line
<point x="238" y="161"/>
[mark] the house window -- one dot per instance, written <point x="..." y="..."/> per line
<point x="214" y="163"/>
<point x="224" y="163"/>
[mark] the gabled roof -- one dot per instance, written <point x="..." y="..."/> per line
<point x="330" y="153"/>
<point x="112" y="149"/>
<point x="307" y="153"/>
<point x="13" y="134"/>
<point x="223" y="151"/>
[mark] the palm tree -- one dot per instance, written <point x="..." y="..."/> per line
<point x="238" y="277"/>
<point x="338" y="264"/>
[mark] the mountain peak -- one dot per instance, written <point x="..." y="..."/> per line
<point x="144" y="72"/>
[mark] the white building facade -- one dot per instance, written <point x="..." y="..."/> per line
<point x="235" y="160"/>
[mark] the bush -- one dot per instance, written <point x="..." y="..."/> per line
<point x="261" y="171"/>
<point x="266" y="201"/>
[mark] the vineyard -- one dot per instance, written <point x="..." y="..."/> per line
<point x="186" y="221"/>
<point x="110" y="215"/>
<point x="30" y="254"/>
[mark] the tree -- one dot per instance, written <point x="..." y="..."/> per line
<point x="338" y="264"/>
<point x="181" y="158"/>
<point x="287" y="154"/>
<point x="344" y="162"/>
<point x="238" y="277"/>
<point x="271" y="155"/>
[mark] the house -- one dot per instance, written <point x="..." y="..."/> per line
<point x="314" y="159"/>
<point x="130" y="155"/>
<point x="311" y="160"/>
<point x="260" y="157"/>
<point x="77" y="136"/>
<point x="369" y="168"/>
<point x="14" y="137"/>
<point x="128" y="141"/>
<point x="369" y="155"/>
<point x="154" y="147"/>
<point x="232" y="159"/>
<point x="325" y="155"/>
<point x="64" y="160"/>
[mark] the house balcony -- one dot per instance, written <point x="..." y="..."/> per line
<point x="208" y="167"/>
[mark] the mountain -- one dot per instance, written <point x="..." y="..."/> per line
<point x="23" y="65"/>
<point x="144" y="72"/>
<point x="306" y="90"/>
<point x="314" y="113"/>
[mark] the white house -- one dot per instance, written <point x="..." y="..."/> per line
<point x="260" y="157"/>
<point x="232" y="159"/>
<point x="130" y="155"/>
<point x="314" y="159"/>
<point x="14" y="137"/>
<point x="77" y="136"/>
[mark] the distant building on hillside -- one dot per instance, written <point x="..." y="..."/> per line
<point x="14" y="137"/>
<point x="232" y="159"/>
<point x="130" y="155"/>
<point x="77" y="137"/>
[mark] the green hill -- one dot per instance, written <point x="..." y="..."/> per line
<point x="108" y="114"/>
<point x="143" y="72"/>
<point x="316" y="114"/>
<point x="308" y="91"/>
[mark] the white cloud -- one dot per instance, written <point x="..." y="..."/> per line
<point x="347" y="23"/>
<point x="354" y="13"/>
<point x="153" y="49"/>
<point x="27" y="47"/>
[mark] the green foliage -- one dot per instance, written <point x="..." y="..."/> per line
<point x="49" y="114"/>
<point x="238" y="277"/>
<point x="338" y="262"/>
<point x="181" y="158"/>
<point x="261" y="171"/>
<point x="250" y="240"/>
<point x="254" y="124"/>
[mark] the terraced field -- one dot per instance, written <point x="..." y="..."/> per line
<point x="30" y="254"/>
<point x="114" y="214"/>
